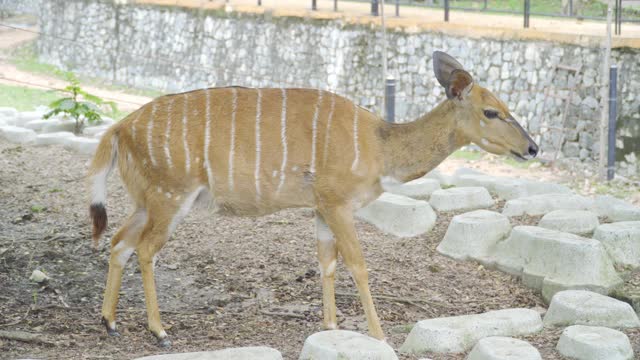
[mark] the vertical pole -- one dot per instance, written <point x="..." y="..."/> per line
<point x="259" y="2"/>
<point x="390" y="100"/>
<point x="335" y="5"/>
<point x="570" y="7"/>
<point x="384" y="46"/>
<point x="527" y="12"/>
<point x="485" y="5"/>
<point x="602" y="153"/>
<point x="397" y="7"/>
<point x="314" y="5"/>
<point x="613" y="114"/>
<point x="374" y="7"/>
<point x="618" y="17"/>
<point x="446" y="10"/>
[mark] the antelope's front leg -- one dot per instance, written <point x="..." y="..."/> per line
<point x="327" y="256"/>
<point x="340" y="221"/>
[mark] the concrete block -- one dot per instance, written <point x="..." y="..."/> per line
<point x="579" y="222"/>
<point x="37" y="125"/>
<point x="594" y="343"/>
<point x="57" y="125"/>
<point x="578" y="307"/>
<point x="443" y="179"/>
<point x="622" y="241"/>
<point x="8" y="112"/>
<point x="474" y="234"/>
<point x="616" y="210"/>
<point x="81" y="145"/>
<point x="418" y="189"/>
<point x="27" y="116"/>
<point x="93" y="130"/>
<point x="464" y="198"/>
<point x="57" y="138"/>
<point x="345" y="345"/>
<point x="542" y="204"/>
<point x="460" y="333"/>
<point x="552" y="261"/>
<point x="17" y="135"/>
<point x="243" y="353"/>
<point x="503" y="348"/>
<point x="399" y="215"/>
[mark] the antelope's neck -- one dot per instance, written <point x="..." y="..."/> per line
<point x="413" y="149"/>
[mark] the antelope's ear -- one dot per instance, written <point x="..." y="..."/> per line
<point x="451" y="75"/>
<point x="460" y="84"/>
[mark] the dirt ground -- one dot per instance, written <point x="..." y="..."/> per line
<point x="222" y="281"/>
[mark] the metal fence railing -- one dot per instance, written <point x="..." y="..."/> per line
<point x="577" y="9"/>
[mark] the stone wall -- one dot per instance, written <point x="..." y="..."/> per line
<point x="175" y="49"/>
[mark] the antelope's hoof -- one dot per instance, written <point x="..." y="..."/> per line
<point x="111" y="329"/>
<point x="164" y="343"/>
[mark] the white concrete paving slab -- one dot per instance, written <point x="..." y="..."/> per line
<point x="57" y="125"/>
<point x="93" y="130"/>
<point x="399" y="215"/>
<point x="243" y="353"/>
<point x="345" y="345"/>
<point x="420" y="188"/>
<point x="552" y="261"/>
<point x="545" y="203"/>
<point x="579" y="222"/>
<point x="503" y="348"/>
<point x="622" y="241"/>
<point x="579" y="307"/>
<point x="464" y="198"/>
<point x="594" y="343"/>
<point x="616" y="210"/>
<point x="473" y="235"/>
<point x="460" y="333"/>
<point x="81" y="145"/>
<point x="26" y="116"/>
<point x="17" y="135"/>
<point x="8" y="112"/>
<point x="56" y="138"/>
<point x="443" y="179"/>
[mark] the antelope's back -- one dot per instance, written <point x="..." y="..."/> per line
<point x="257" y="150"/>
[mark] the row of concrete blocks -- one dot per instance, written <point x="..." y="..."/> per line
<point x="588" y="318"/>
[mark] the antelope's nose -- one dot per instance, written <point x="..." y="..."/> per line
<point x="533" y="150"/>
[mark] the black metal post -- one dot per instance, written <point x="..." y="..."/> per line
<point x="397" y="7"/>
<point x="335" y="5"/>
<point x="314" y="5"/>
<point x="390" y="100"/>
<point x="570" y="7"/>
<point x="374" y="7"/>
<point x="485" y="5"/>
<point x="618" y="17"/>
<point x="613" y="115"/>
<point x="446" y="10"/>
<point x="527" y="12"/>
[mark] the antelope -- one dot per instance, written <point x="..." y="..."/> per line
<point x="257" y="151"/>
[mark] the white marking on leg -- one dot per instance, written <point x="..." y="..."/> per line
<point x="159" y="189"/>
<point x="332" y="326"/>
<point x="283" y="140"/>
<point x="187" y="159"/>
<point x="484" y="141"/>
<point x="327" y="132"/>
<point x="184" y="209"/>
<point x="274" y="173"/>
<point x="232" y="145"/>
<point x="207" y="140"/>
<point x="356" y="147"/>
<point x="482" y="123"/>
<point x="122" y="252"/>
<point x="150" y="134"/>
<point x="258" y="116"/>
<point x="167" y="134"/>
<point x="314" y="132"/>
<point x="323" y="232"/>
<point x="112" y="325"/>
<point x="168" y="195"/>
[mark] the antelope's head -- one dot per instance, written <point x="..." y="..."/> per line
<point x="480" y="115"/>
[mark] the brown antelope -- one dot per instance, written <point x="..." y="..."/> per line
<point x="257" y="151"/>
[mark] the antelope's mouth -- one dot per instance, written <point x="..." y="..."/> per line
<point x="521" y="157"/>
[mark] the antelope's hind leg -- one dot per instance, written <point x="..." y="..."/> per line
<point x="122" y="246"/>
<point x="327" y="256"/>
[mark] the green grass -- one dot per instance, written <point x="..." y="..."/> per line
<point x="615" y="189"/>
<point x="466" y="155"/>
<point x="25" y="99"/>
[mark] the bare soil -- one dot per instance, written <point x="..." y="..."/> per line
<point x="222" y="281"/>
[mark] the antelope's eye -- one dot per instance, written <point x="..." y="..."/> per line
<point x="491" y="114"/>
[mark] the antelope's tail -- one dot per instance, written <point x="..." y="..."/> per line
<point x="103" y="162"/>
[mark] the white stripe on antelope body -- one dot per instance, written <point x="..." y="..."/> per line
<point x="259" y="150"/>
